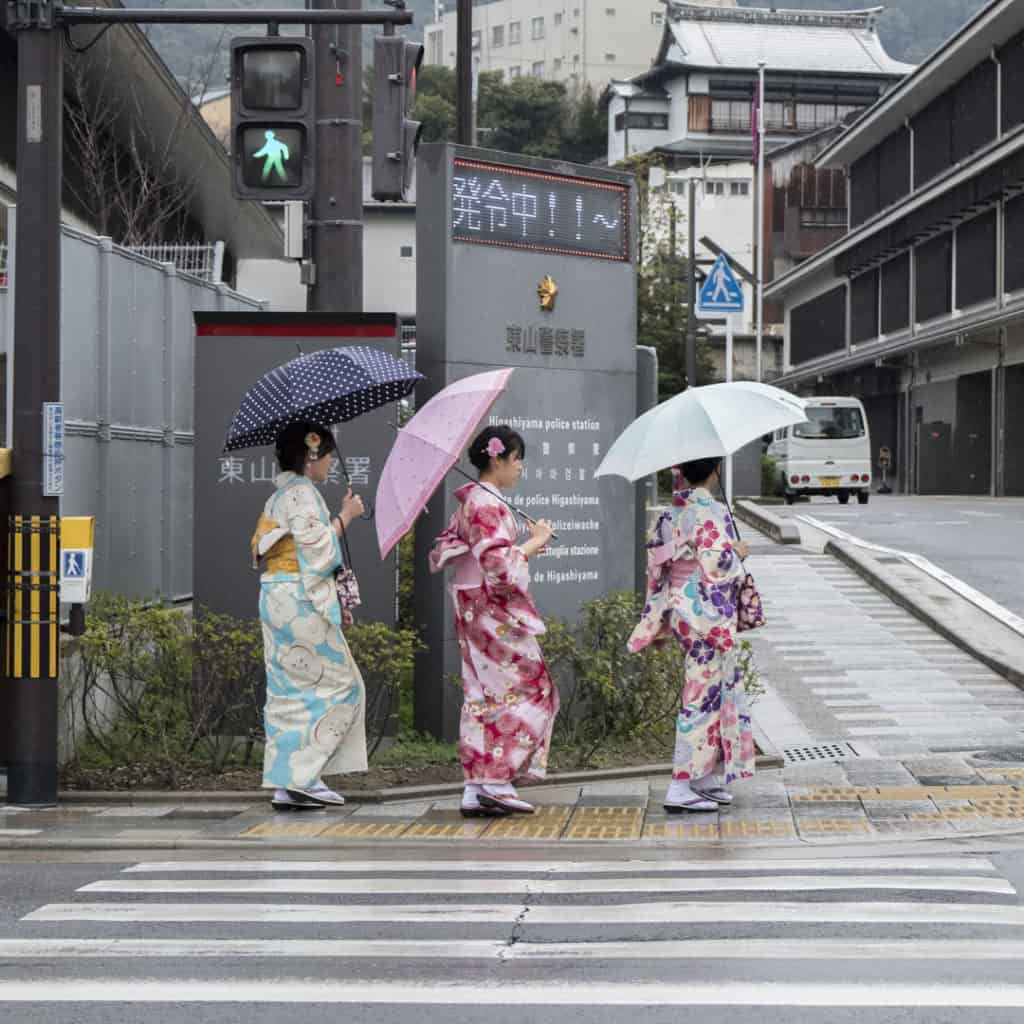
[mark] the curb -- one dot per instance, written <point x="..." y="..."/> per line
<point x="770" y="758"/>
<point x="864" y="568"/>
<point x="779" y="530"/>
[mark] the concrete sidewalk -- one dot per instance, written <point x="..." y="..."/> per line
<point x="888" y="731"/>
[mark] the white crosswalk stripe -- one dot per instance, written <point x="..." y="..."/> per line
<point x="542" y="920"/>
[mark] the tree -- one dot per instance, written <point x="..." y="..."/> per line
<point x="128" y="182"/>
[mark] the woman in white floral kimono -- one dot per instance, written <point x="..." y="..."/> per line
<point x="316" y="701"/>
<point x="694" y="573"/>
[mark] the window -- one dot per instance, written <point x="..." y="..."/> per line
<point x="498" y="35"/>
<point x="739" y="188"/>
<point x="657" y="18"/>
<point x="609" y="56"/>
<point x="537" y="28"/>
<point x="476" y="39"/>
<point x="643" y="121"/>
<point x="405" y="252"/>
<point x="825" y="422"/>
<point x="576" y="13"/>
<point x="514" y="72"/>
<point x="714" y="188"/>
<point x="558" y="64"/>
<point x="609" y="12"/>
<point x="515" y="32"/>
<point x="823" y="218"/>
<point x="538" y="69"/>
<point x="558" y="17"/>
<point x="730" y="115"/>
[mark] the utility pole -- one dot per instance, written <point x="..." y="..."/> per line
<point x="691" y="298"/>
<point x="32" y="628"/>
<point x="336" y="222"/>
<point x="33" y="642"/>
<point x="464" y="73"/>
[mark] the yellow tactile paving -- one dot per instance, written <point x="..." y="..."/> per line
<point x="605" y="823"/>
<point x="1002" y="773"/>
<point x="825" y="794"/>
<point x="833" y="826"/>
<point x="366" y="830"/>
<point x="547" y="823"/>
<point x="756" y="829"/>
<point x="445" y="830"/>
<point x="291" y="830"/>
<point x="681" y="830"/>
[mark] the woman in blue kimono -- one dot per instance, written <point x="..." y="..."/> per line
<point x="316" y="701"/>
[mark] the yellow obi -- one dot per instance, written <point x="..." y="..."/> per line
<point x="275" y="544"/>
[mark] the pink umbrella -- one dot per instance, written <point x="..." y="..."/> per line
<point x="427" y="448"/>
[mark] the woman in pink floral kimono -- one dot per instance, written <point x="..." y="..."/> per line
<point x="510" y="699"/>
<point x="694" y="573"/>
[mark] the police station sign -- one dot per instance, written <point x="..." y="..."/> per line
<point x="531" y="267"/>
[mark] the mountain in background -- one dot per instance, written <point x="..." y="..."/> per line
<point x="910" y="30"/>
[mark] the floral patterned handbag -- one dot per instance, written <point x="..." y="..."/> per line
<point x="346" y="583"/>
<point x="749" y="613"/>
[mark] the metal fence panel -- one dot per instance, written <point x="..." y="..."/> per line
<point x="127" y="340"/>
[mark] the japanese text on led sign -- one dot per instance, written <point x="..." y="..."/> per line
<point x="519" y="209"/>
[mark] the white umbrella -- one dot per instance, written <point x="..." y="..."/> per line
<point x="700" y="423"/>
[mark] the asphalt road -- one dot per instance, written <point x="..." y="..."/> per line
<point x="796" y="936"/>
<point x="979" y="540"/>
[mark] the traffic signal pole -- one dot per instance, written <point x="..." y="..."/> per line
<point x="31" y="646"/>
<point x="32" y="640"/>
<point x="336" y="224"/>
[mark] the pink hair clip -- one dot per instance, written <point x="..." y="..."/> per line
<point x="495" y="447"/>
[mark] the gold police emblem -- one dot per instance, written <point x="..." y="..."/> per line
<point x="547" y="292"/>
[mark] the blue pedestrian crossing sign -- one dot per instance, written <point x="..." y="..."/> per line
<point x="74" y="565"/>
<point x="721" y="292"/>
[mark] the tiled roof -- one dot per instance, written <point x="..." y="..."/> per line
<point x="739" y="38"/>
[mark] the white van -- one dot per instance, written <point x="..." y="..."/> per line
<point x="829" y="454"/>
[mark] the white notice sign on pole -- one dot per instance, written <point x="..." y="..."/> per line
<point x="53" y="449"/>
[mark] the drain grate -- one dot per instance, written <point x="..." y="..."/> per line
<point x="819" y="752"/>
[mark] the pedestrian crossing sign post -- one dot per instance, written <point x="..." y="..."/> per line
<point x="76" y="541"/>
<point x="721" y="293"/>
<point x="721" y="298"/>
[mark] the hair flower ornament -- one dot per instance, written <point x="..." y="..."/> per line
<point x="495" y="447"/>
<point x="312" y="442"/>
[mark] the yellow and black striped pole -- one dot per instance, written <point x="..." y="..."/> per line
<point x="33" y="598"/>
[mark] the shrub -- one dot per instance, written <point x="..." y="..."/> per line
<point x="771" y="482"/>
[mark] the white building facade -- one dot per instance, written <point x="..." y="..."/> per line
<point x="578" y="42"/>
<point x="695" y="101"/>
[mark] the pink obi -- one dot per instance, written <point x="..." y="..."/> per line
<point x="468" y="574"/>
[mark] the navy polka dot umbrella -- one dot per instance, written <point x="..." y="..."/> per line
<point x="326" y="387"/>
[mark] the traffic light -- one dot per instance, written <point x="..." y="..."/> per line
<point x="395" y="64"/>
<point x="273" y="117"/>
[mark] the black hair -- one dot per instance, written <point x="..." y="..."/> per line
<point x="698" y="470"/>
<point x="291" y="450"/>
<point x="513" y="442"/>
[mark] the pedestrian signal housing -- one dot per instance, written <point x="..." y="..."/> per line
<point x="273" y="117"/>
<point x="396" y="63"/>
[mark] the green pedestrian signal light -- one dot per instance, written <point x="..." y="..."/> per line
<point x="273" y="118"/>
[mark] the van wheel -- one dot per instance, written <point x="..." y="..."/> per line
<point x="790" y="497"/>
<point x="862" y="497"/>
<point x="844" y="498"/>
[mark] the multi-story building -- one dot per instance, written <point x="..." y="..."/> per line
<point x="918" y="307"/>
<point x="573" y="41"/>
<point x="695" y="101"/>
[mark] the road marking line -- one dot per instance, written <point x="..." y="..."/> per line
<point x="484" y="993"/>
<point x="761" y="949"/>
<point x="506" y="886"/>
<point x="682" y="912"/>
<point x="758" y="864"/>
